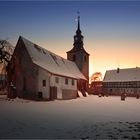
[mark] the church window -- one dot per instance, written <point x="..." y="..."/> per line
<point x="72" y="81"/>
<point x="56" y="79"/>
<point x="44" y="83"/>
<point x="66" y="81"/>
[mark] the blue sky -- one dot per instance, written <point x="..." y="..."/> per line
<point x="111" y="29"/>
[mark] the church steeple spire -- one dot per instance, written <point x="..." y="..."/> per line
<point x="78" y="22"/>
<point x="78" y="38"/>
<point x="78" y="28"/>
<point x="78" y="54"/>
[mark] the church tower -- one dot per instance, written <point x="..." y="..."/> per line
<point x="78" y="53"/>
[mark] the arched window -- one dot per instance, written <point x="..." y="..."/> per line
<point x="85" y="58"/>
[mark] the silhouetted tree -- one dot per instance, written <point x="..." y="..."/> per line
<point x="97" y="76"/>
<point x="6" y="51"/>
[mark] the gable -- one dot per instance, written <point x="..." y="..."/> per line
<point x="21" y="52"/>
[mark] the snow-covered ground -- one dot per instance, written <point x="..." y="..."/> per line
<point x="82" y="118"/>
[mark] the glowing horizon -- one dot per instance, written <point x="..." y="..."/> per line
<point x="111" y="29"/>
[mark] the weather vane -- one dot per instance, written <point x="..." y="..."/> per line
<point x="77" y="18"/>
<point x="78" y="13"/>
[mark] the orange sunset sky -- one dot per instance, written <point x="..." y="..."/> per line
<point x="111" y="29"/>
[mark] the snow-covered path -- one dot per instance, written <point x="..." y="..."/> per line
<point x="89" y="117"/>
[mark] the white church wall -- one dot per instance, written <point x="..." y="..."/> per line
<point x="44" y="83"/>
<point x="60" y="83"/>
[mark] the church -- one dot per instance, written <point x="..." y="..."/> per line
<point x="38" y="74"/>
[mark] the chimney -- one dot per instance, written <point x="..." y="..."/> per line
<point x="118" y="70"/>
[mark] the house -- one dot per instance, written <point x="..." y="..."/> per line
<point x="96" y="87"/>
<point x="122" y="81"/>
<point x="37" y="73"/>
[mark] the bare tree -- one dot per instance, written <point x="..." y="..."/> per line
<point x="97" y="76"/>
<point x="6" y="51"/>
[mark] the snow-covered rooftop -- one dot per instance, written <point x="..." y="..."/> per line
<point x="118" y="75"/>
<point x="52" y="62"/>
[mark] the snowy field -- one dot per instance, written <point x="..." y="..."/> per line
<point x="83" y="118"/>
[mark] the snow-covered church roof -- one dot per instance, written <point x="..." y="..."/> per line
<point x="51" y="62"/>
<point x="122" y="75"/>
